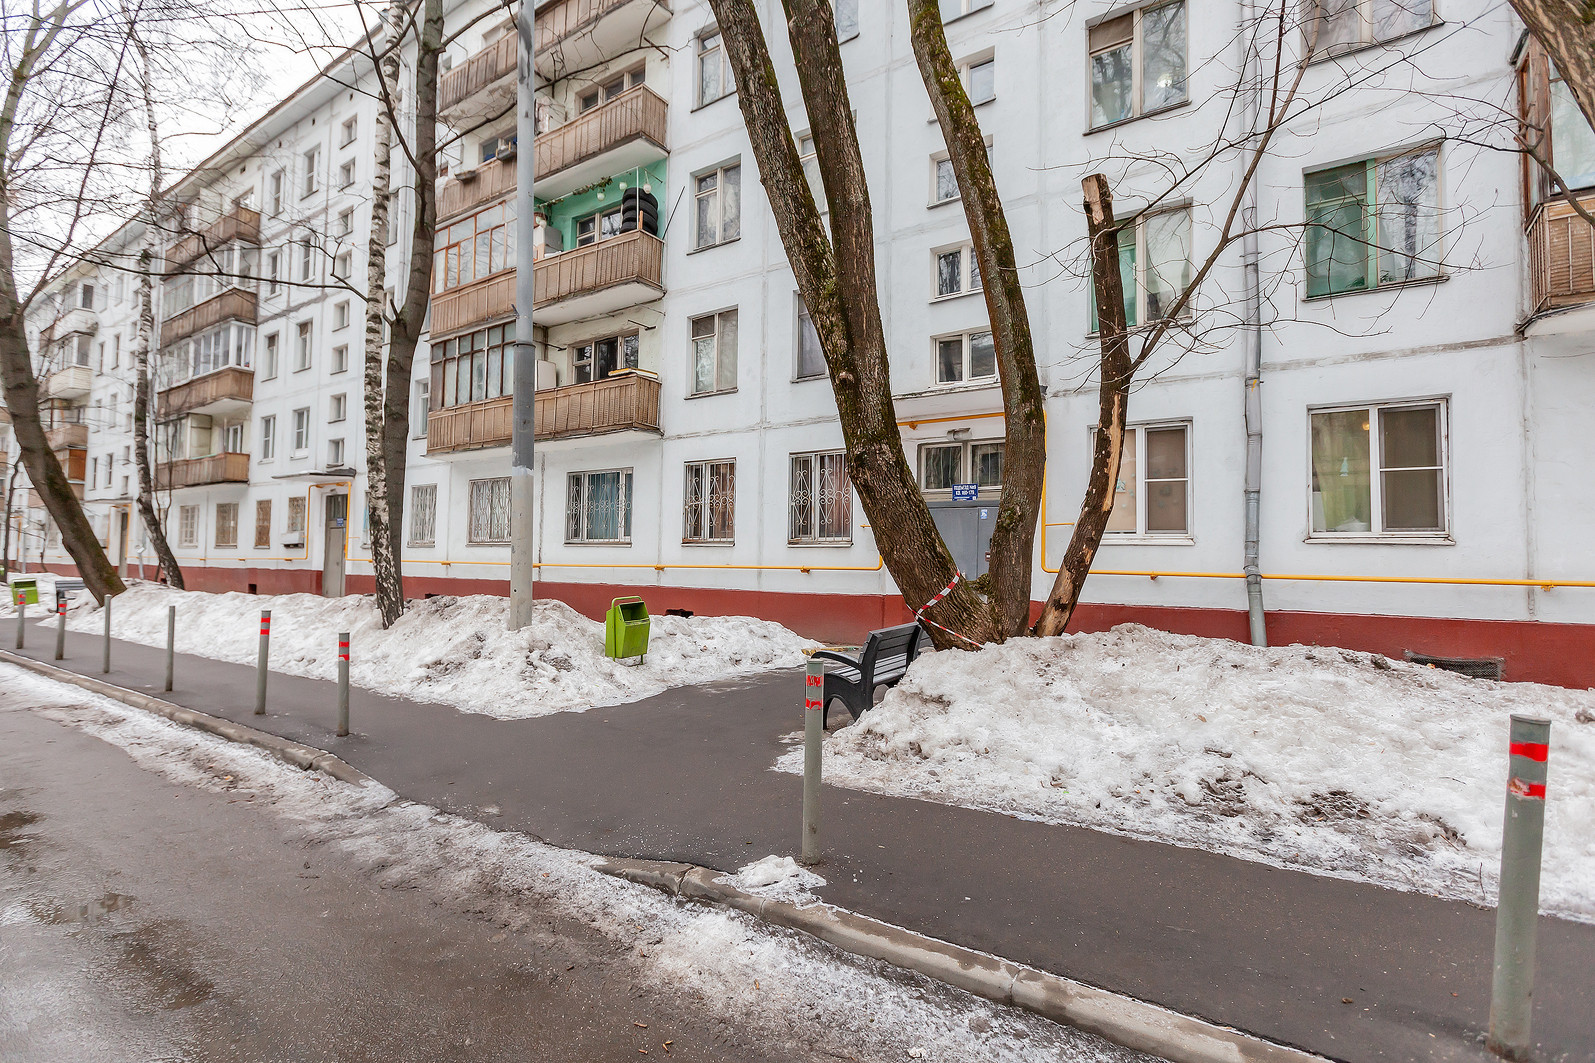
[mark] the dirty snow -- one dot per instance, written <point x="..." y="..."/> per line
<point x="778" y="878"/>
<point x="790" y="988"/>
<point x="1335" y="762"/>
<point x="456" y="651"/>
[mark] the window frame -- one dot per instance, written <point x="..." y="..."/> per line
<point x="707" y="503"/>
<point x="301" y="433"/>
<point x="230" y="508"/>
<point x="966" y="70"/>
<point x="338" y="407"/>
<point x="966" y="380"/>
<point x="939" y="157"/>
<point x="718" y="192"/>
<point x="312" y="167"/>
<point x="813" y="516"/>
<point x="1138" y="280"/>
<point x="304" y="344"/>
<point x="268" y="437"/>
<point x="471" y="525"/>
<point x="340" y="359"/>
<point x="802" y="316"/>
<point x="1141" y="534"/>
<point x="966" y="467"/>
<point x="336" y="453"/>
<point x="1370" y="208"/>
<point x="418" y="509"/>
<point x="968" y="7"/>
<point x="188" y="526"/>
<point x="699" y="53"/>
<point x="967" y="268"/>
<point x="347" y="174"/>
<point x="719" y="351"/>
<point x="1376" y="471"/>
<point x="349" y="130"/>
<point x="1137" y="66"/>
<point x="262" y="524"/>
<point x="624" y="518"/>
<point x="1365" y="35"/>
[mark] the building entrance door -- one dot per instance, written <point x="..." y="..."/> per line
<point x="966" y="528"/>
<point x="332" y="566"/>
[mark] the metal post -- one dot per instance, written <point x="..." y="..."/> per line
<point x="105" y="664"/>
<point x="343" y="683"/>
<point x="260" y="668"/>
<point x="22" y="614"/>
<point x="60" y="628"/>
<point x="171" y="642"/>
<point x="1522" y="835"/>
<point x="813" y="736"/>
<point x="524" y="383"/>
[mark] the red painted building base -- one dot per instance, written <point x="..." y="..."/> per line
<point x="1560" y="654"/>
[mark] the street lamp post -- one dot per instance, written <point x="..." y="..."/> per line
<point x="522" y="559"/>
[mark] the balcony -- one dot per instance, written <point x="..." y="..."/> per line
<point x="69" y="383"/>
<point x="223" y="393"/>
<point x="470" y="189"/>
<point x="234" y="304"/>
<point x="77" y="319"/>
<point x="63" y="436"/>
<point x="624" y="402"/>
<point x="623" y="134"/>
<point x="483" y="85"/>
<point x="241" y="224"/>
<point x="475" y="305"/>
<point x="223" y="468"/>
<point x="590" y="31"/>
<point x="600" y="278"/>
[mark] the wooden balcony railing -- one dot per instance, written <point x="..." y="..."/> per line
<point x="616" y="404"/>
<point x="496" y="61"/>
<point x="233" y="304"/>
<point x="475" y="304"/>
<point x="234" y="383"/>
<point x="223" y="468"/>
<point x="633" y="256"/>
<point x="555" y="22"/>
<point x="241" y="223"/>
<point x="489" y="181"/>
<point x="67" y="435"/>
<point x="1561" y="255"/>
<point x="638" y="112"/>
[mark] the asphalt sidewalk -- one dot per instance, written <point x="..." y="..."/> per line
<point x="685" y="776"/>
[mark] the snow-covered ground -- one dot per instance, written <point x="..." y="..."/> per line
<point x="456" y="651"/>
<point x="764" y="979"/>
<point x="1337" y="762"/>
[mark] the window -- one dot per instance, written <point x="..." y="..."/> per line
<point x="1572" y="142"/>
<point x="268" y="438"/>
<point x="227" y="524"/>
<point x="301" y="432"/>
<point x="188" y="525"/>
<point x="340" y="358"/>
<point x="957" y="272"/>
<point x="1155" y="266"/>
<point x="967" y="356"/>
<point x="951" y="9"/>
<point x="296" y="515"/>
<point x="1346" y="24"/>
<point x="312" y="161"/>
<point x="943" y="464"/>
<point x="302" y="347"/>
<point x="116" y="350"/>
<point x="598" y="509"/>
<point x="490" y="511"/>
<point x="810" y="355"/>
<point x="846" y="15"/>
<point x="232" y="439"/>
<point x="719" y="205"/>
<point x="86" y="296"/>
<point x="350" y="129"/>
<point x="600" y="225"/>
<point x="346" y="222"/>
<point x="1137" y="63"/>
<point x="94" y="472"/>
<point x="307" y="257"/>
<point x="338" y="407"/>
<point x="273" y="272"/>
<point x="710" y="507"/>
<point x="809" y="157"/>
<point x="597" y="359"/>
<point x="714" y="69"/>
<point x="1373" y="223"/>
<point x="420" y="403"/>
<point x="820" y="506"/>
<point x="335" y="453"/>
<point x="943" y="180"/>
<point x="980" y="79"/>
<point x="423" y="514"/>
<point x="268" y="360"/>
<point x="277" y="181"/>
<point x="714" y="353"/>
<point x="340" y="315"/>
<point x="343" y="266"/>
<point x="1152" y="493"/>
<point x="1379" y="470"/>
<point x="608" y="90"/>
<point x="263" y="524"/>
<point x="346" y="174"/>
<point x="479" y="365"/>
<point x="475" y="247"/>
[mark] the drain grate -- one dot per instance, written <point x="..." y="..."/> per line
<point x="1472" y="667"/>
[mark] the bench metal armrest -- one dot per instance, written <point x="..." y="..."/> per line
<point x="832" y="655"/>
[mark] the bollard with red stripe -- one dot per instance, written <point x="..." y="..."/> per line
<point x="60" y="628"/>
<point x="260" y="667"/>
<point x="813" y="735"/>
<point x="1522" y="842"/>
<point x="343" y="684"/>
<point x="22" y="615"/>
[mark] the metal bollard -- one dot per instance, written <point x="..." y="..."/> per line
<point x="22" y="614"/>
<point x="813" y="736"/>
<point x="105" y="665"/>
<point x="1522" y="838"/>
<point x="171" y="642"/>
<point x="260" y="669"/>
<point x="343" y="683"/>
<point x="60" y="628"/>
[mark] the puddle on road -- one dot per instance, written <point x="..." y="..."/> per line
<point x="89" y="912"/>
<point x="12" y="825"/>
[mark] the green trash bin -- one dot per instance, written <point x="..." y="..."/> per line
<point x="626" y="628"/>
<point x="27" y="586"/>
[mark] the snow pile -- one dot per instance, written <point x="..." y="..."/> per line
<point x="456" y="651"/>
<point x="778" y="878"/>
<point x="1322" y="759"/>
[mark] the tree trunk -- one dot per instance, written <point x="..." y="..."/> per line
<point x="1567" y="30"/>
<point x="1024" y="409"/>
<point x="5" y="545"/>
<point x="1113" y="397"/>
<point x="839" y="288"/>
<point x="141" y="345"/>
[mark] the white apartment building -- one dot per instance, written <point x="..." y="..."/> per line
<point x="1422" y="398"/>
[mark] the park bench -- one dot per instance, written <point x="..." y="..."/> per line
<point x="885" y="656"/>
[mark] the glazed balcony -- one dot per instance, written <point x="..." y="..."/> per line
<point x="223" y="393"/>
<point x="225" y="468"/>
<point x="235" y="304"/>
<point x="241" y="224"/>
<point x="590" y="31"/>
<point x="623" y="402"/>
<point x="623" y="134"/>
<point x="69" y="383"/>
<point x="63" y="436"/>
<point x="483" y="85"/>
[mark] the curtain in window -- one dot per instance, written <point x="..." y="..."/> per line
<point x="1341" y="501"/>
<point x="1162" y="56"/>
<point x="1123" y="518"/>
<point x="1168" y="261"/>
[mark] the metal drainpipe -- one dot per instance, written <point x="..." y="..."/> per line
<point x="1254" y="342"/>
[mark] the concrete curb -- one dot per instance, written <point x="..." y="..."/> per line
<point x="1135" y="1024"/>
<point x="296" y="753"/>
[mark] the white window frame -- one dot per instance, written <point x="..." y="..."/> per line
<point x="338" y="407"/>
<point x="268" y="437"/>
<point x="969" y="280"/>
<point x="301" y="430"/>
<point x="304" y="344"/>
<point x="1365" y="29"/>
<point x="814" y="502"/>
<point x="576" y="516"/>
<point x="340" y="315"/>
<point x="1376" y="471"/>
<point x="966" y="69"/>
<point x="423" y="515"/>
<point x="225" y="509"/>
<point x="277" y="183"/>
<point x="481" y="528"/>
<point x="346" y="174"/>
<point x="966" y="336"/>
<point x="307" y="258"/>
<point x="271" y="353"/>
<point x="703" y="506"/>
<point x="966" y="464"/>
<point x="188" y="526"/>
<point x="349" y="131"/>
<point x="717" y="194"/>
<point x="343" y="266"/>
<point x="340" y="358"/>
<point x="1137" y="66"/>
<point x="420" y="406"/>
<point x="1142" y="264"/>
<point x="335" y="453"/>
<point x="804" y="317"/>
<point x="963" y="7"/>
<point x="716" y="54"/>
<point x="1141" y="533"/>
<point x="718" y="317"/>
<point x="312" y="164"/>
<point x="936" y="161"/>
<point x="346" y="222"/>
<point x="273" y="272"/>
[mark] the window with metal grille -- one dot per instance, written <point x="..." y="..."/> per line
<point x="709" y="513"/>
<point x="227" y="524"/>
<point x="263" y="524"/>
<point x="188" y="525"/>
<point x="296" y="515"/>
<point x="599" y="507"/>
<point x="423" y="514"/>
<point x="821" y="504"/>
<point x="490" y="511"/>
